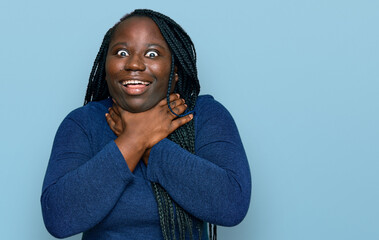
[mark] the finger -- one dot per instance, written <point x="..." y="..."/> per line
<point x="109" y="119"/>
<point x="111" y="112"/>
<point x="115" y="108"/>
<point x="178" y="110"/>
<point x="177" y="102"/>
<point x="173" y="97"/>
<point x="115" y="116"/>
<point x="114" y="102"/>
<point x="112" y="124"/>
<point x="180" y="122"/>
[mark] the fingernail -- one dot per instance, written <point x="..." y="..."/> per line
<point x="178" y="95"/>
<point x="185" y="105"/>
<point x="191" y="116"/>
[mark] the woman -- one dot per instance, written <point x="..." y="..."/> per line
<point x="146" y="157"/>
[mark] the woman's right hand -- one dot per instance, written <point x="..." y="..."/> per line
<point x="139" y="132"/>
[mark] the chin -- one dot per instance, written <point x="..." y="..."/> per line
<point x="136" y="107"/>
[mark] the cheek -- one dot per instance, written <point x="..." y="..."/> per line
<point x="112" y="68"/>
<point x="161" y="71"/>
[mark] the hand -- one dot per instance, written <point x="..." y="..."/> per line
<point x="143" y="130"/>
<point x="114" y="120"/>
<point x="116" y="124"/>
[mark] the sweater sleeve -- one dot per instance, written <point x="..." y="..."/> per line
<point x="214" y="184"/>
<point x="81" y="188"/>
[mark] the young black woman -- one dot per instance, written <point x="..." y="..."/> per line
<point x="146" y="157"/>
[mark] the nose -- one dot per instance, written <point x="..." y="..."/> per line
<point x="134" y="63"/>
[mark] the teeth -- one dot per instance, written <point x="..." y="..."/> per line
<point x="133" y="82"/>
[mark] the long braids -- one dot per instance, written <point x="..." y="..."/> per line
<point x="97" y="88"/>
<point x="184" y="57"/>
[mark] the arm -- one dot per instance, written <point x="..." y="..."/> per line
<point x="81" y="188"/>
<point x="137" y="133"/>
<point x="215" y="184"/>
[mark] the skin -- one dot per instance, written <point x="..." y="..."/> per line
<point x="139" y="51"/>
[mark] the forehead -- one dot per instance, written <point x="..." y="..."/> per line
<point x="138" y="28"/>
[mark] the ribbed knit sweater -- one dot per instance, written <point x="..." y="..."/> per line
<point x="89" y="188"/>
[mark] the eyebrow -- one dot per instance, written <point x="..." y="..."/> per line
<point x="155" y="45"/>
<point x="119" y="43"/>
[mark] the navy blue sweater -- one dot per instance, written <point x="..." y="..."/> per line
<point x="89" y="188"/>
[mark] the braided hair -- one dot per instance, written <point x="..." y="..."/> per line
<point x="183" y="56"/>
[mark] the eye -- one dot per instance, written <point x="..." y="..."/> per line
<point x="151" y="54"/>
<point x="122" y="53"/>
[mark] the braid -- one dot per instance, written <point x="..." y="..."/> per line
<point x="183" y="56"/>
<point x="97" y="88"/>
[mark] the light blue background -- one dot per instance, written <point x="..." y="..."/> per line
<point x="300" y="78"/>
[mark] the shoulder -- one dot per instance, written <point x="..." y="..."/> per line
<point x="206" y="105"/>
<point x="90" y="111"/>
<point x="212" y="113"/>
<point x="89" y="115"/>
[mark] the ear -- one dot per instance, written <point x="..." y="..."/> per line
<point x="176" y="76"/>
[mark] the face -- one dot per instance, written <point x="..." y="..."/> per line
<point x="138" y="65"/>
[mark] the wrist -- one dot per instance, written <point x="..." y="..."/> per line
<point x="132" y="149"/>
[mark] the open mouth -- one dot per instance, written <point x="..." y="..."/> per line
<point x="131" y="83"/>
<point x="135" y="87"/>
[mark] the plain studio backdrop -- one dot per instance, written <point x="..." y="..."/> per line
<point x="300" y="78"/>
